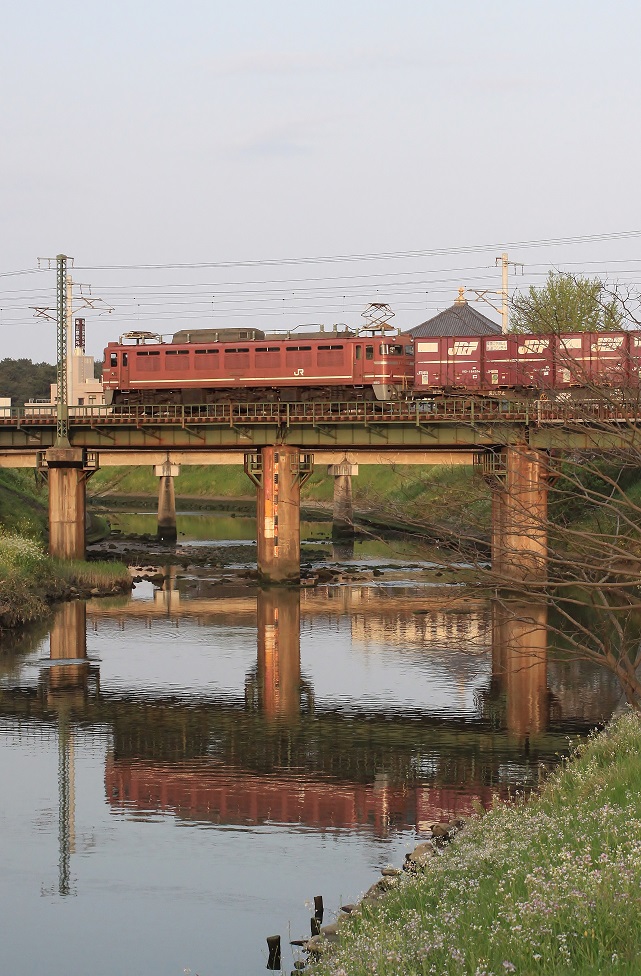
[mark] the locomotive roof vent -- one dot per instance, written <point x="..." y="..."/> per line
<point x="139" y="338"/>
<point x="218" y="335"/>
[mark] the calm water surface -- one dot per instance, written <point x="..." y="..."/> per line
<point x="184" y="770"/>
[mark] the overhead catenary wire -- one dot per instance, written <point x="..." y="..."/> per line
<point x="417" y="290"/>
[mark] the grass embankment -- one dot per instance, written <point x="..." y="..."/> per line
<point x="30" y="580"/>
<point x="551" y="886"/>
<point x="434" y="495"/>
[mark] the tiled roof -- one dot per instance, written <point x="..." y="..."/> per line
<point x="458" y="320"/>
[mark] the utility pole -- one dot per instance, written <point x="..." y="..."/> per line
<point x="505" y="265"/>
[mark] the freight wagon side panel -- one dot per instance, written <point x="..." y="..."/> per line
<point x="463" y="363"/>
<point x="573" y="364"/>
<point x="633" y="345"/>
<point x="610" y="359"/>
<point x="535" y="362"/>
<point x="499" y="363"/>
<point x="429" y="369"/>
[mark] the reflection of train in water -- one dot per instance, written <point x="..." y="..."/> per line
<point x="209" y="366"/>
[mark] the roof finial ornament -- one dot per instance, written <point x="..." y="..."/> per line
<point x="461" y="300"/>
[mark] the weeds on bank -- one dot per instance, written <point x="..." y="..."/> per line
<point x="552" y="886"/>
<point x="30" y="579"/>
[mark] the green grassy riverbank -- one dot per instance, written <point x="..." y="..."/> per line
<point x="551" y="886"/>
<point x="30" y="580"/>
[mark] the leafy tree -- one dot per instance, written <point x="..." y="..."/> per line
<point x="566" y="304"/>
<point x="23" y="380"/>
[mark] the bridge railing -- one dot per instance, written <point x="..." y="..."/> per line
<point x="454" y="409"/>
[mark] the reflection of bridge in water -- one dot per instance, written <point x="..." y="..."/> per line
<point x="275" y="754"/>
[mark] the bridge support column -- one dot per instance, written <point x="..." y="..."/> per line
<point x="67" y="502"/>
<point x="166" y="473"/>
<point x="278" y="473"/>
<point x="343" y="511"/>
<point x="519" y="515"/>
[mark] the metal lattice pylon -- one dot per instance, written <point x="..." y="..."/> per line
<point x="62" y="409"/>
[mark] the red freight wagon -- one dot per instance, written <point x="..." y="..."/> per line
<point x="528" y="362"/>
<point x="463" y="362"/>
<point x="596" y="359"/>
<point x="499" y="362"/>
<point x="534" y="362"/>
<point x="610" y="359"/>
<point x="448" y="363"/>
<point x="326" y="366"/>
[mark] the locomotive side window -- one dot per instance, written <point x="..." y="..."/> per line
<point x="369" y="352"/>
<point x="125" y="359"/>
<point x="298" y="357"/>
<point x="236" y="358"/>
<point x="113" y="359"/>
<point x="267" y="357"/>
<point x="330" y="355"/>
<point x="206" y="359"/>
<point x="409" y="350"/>
<point x="390" y="350"/>
<point x="148" y="360"/>
<point x="175" y="359"/>
<point x="359" y="352"/>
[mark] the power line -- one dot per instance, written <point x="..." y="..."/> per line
<point x="380" y="256"/>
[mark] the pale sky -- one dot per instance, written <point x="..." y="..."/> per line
<point x="207" y="133"/>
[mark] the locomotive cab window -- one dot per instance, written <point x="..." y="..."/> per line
<point x="359" y="352"/>
<point x="369" y="352"/>
<point x="125" y="359"/>
<point x="113" y="359"/>
<point x="390" y="350"/>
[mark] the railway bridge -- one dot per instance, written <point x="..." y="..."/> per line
<point x="278" y="443"/>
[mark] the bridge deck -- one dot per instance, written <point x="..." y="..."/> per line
<point x="454" y="422"/>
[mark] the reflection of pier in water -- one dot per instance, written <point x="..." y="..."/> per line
<point x="273" y="755"/>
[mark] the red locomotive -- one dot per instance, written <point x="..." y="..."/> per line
<point x="207" y="366"/>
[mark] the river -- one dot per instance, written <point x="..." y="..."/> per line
<point x="185" y="769"/>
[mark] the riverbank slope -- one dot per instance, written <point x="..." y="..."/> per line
<point x="550" y="886"/>
<point x="30" y="580"/>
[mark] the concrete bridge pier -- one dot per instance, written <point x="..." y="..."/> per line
<point x="166" y="472"/>
<point x="343" y="510"/>
<point x="519" y="515"/>
<point x="278" y="473"/>
<point x="67" y="478"/>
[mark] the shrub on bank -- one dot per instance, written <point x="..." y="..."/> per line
<point x="550" y="886"/>
<point x="30" y="580"/>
